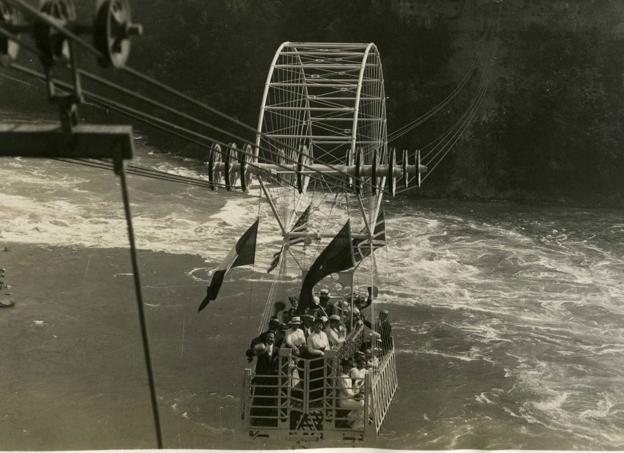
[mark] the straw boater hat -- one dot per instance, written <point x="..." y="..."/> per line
<point x="334" y="318"/>
<point x="295" y="320"/>
<point x="324" y="291"/>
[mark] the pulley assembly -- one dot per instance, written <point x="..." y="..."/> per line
<point x="56" y="31"/>
<point x="9" y="20"/>
<point x="229" y="166"/>
<point x="112" y="29"/>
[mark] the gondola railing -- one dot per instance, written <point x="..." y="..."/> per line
<point x="381" y="385"/>
<point x="305" y="399"/>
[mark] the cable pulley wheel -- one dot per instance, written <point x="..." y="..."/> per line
<point x="302" y="162"/>
<point x="8" y="49"/>
<point x="245" y="174"/>
<point x="391" y="175"/>
<point x="404" y="165"/>
<point x="374" y="164"/>
<point x="228" y="165"/>
<point x="213" y="159"/>
<point x="359" y="163"/>
<point x="53" y="45"/>
<point x="418" y="164"/>
<point x="112" y="31"/>
<point x="349" y="165"/>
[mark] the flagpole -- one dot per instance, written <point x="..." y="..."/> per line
<point x="363" y="212"/>
<point x="273" y="208"/>
<point x="296" y="260"/>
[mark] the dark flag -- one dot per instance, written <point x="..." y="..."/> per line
<point x="243" y="253"/>
<point x="362" y="247"/>
<point x="337" y="256"/>
<point x="301" y="226"/>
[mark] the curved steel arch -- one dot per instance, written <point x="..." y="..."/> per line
<point x="329" y="97"/>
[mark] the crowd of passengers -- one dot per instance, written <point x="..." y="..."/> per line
<point x="321" y="328"/>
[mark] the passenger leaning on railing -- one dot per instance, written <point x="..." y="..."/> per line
<point x="317" y="341"/>
<point x="349" y="397"/>
<point x="372" y="361"/>
<point x="308" y="323"/>
<point x="274" y="327"/>
<point x="358" y="372"/>
<point x="263" y="411"/>
<point x="295" y="338"/>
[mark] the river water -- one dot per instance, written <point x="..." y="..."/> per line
<point x="509" y="319"/>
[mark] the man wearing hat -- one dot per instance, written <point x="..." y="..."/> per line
<point x="292" y="311"/>
<point x="335" y="333"/>
<point x="308" y="323"/>
<point x="385" y="330"/>
<point x="274" y="327"/>
<point x="325" y="301"/>
<point x="295" y="338"/>
<point x="316" y="310"/>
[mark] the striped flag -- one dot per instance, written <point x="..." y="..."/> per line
<point x="301" y="226"/>
<point x="362" y="247"/>
<point x="243" y="253"/>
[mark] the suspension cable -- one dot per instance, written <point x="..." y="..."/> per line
<point x="434" y="110"/>
<point x="197" y="121"/>
<point x="161" y="124"/>
<point x="467" y="76"/>
<point x="464" y="122"/>
<point x="144" y="172"/>
<point x="182" y="132"/>
<point x="70" y="35"/>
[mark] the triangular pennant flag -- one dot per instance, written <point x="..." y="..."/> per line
<point x="243" y="253"/>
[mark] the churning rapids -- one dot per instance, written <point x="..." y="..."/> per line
<point x="509" y="319"/>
